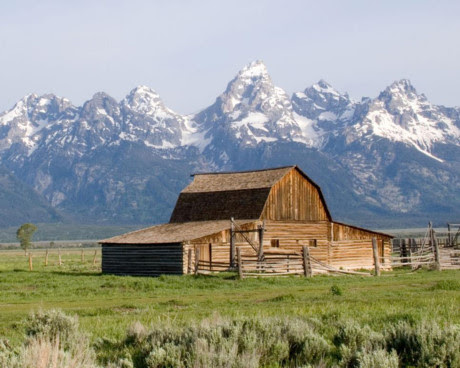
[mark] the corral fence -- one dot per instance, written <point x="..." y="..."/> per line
<point x="278" y="263"/>
<point x="440" y="250"/>
<point x="436" y="252"/>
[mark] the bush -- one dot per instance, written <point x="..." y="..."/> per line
<point x="336" y="290"/>
<point x="355" y="341"/>
<point x="7" y="356"/>
<point x="51" y="324"/>
<point x="43" y="352"/>
<point x="425" y="344"/>
<point x="378" y="359"/>
<point x="136" y="333"/>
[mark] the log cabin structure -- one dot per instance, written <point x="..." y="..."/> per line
<point x="272" y="210"/>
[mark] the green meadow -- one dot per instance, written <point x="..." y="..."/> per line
<point x="107" y="305"/>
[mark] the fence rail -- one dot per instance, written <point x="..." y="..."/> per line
<point x="301" y="263"/>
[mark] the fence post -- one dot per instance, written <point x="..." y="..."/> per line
<point x="448" y="236"/>
<point x="240" y="268"/>
<point x="232" y="243"/>
<point x="307" y="271"/>
<point x="210" y="256"/>
<point x="437" y="258"/>
<point x="261" y="230"/>
<point x="30" y="262"/>
<point x="403" y="250"/>
<point x="94" y="258"/>
<point x="59" y="257"/>
<point x="376" y="257"/>
<point x="197" y="259"/>
<point x="189" y="261"/>
<point x="46" y="258"/>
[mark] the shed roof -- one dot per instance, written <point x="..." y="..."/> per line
<point x="173" y="232"/>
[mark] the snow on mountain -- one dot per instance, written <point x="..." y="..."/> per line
<point x="147" y="119"/>
<point x="396" y="153"/>
<point x="327" y="110"/>
<point x="251" y="110"/>
<point x="23" y="124"/>
<point x="398" y="114"/>
<point x="401" y="115"/>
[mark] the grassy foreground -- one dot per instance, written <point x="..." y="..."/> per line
<point x="108" y="305"/>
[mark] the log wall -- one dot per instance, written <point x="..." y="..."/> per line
<point x="338" y="249"/>
<point x="347" y="232"/>
<point x="142" y="260"/>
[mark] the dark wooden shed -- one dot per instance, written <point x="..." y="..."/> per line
<point x="285" y="201"/>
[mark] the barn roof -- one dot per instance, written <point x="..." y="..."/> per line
<point x="222" y="195"/>
<point x="173" y="232"/>
<point x="242" y="180"/>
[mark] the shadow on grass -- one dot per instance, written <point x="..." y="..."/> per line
<point x="75" y="273"/>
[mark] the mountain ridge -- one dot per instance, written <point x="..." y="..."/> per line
<point x="92" y="161"/>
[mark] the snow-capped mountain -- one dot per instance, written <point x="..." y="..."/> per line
<point x="251" y="110"/>
<point x="125" y="162"/>
<point x="22" y="125"/>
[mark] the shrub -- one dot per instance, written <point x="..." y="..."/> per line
<point x="336" y="290"/>
<point x="377" y="359"/>
<point x="136" y="333"/>
<point x="51" y="324"/>
<point x="354" y="340"/>
<point x="425" y="344"/>
<point x="7" y="356"/>
<point x="43" y="352"/>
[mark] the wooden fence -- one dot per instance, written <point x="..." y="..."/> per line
<point x="302" y="263"/>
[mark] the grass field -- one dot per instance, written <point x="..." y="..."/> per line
<point x="106" y="305"/>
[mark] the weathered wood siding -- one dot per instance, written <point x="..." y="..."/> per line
<point x="294" y="198"/>
<point x="293" y="235"/>
<point x="142" y="260"/>
<point x="347" y="232"/>
<point x="356" y="254"/>
<point x="218" y="245"/>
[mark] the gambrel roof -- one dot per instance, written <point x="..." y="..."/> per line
<point x="222" y="195"/>
<point x="206" y="205"/>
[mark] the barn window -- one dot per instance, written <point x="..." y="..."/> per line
<point x="275" y="243"/>
<point x="313" y="243"/>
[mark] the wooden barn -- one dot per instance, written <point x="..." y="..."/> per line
<point x="273" y="210"/>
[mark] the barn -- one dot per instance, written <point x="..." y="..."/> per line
<point x="279" y="209"/>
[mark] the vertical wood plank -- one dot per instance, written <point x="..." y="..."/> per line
<point x="375" y="252"/>
<point x="232" y="244"/>
<point x="437" y="258"/>
<point x="197" y="259"/>
<point x="240" y="268"/>
<point x="189" y="260"/>
<point x="210" y="256"/>
<point x="306" y="262"/>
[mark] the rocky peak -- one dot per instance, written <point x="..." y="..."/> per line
<point x="401" y="97"/>
<point x="143" y="100"/>
<point x="321" y="101"/>
<point x="251" y="87"/>
<point x="252" y="109"/>
<point x="24" y="122"/>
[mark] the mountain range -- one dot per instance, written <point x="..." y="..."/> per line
<point x="392" y="160"/>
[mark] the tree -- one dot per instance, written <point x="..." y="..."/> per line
<point x="24" y="235"/>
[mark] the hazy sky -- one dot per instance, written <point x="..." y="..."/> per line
<point x="189" y="50"/>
